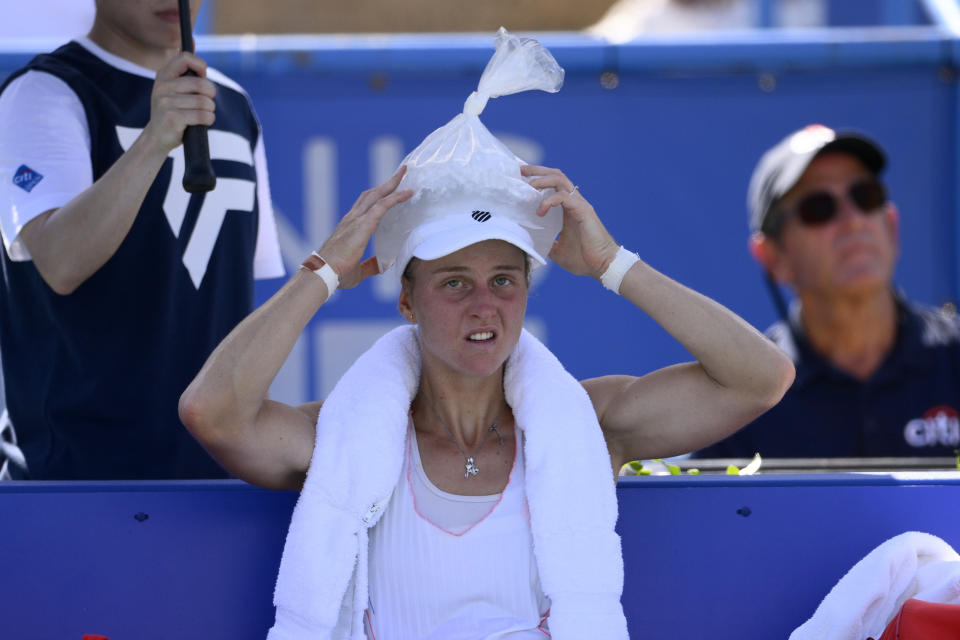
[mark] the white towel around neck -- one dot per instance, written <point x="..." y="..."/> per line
<point x="321" y="589"/>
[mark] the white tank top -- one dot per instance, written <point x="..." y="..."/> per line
<point x="466" y="573"/>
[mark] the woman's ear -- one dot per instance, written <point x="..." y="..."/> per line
<point x="405" y="301"/>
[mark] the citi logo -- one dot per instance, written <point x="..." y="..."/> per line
<point x="938" y="426"/>
<point x="481" y="216"/>
<point x="26" y="178"/>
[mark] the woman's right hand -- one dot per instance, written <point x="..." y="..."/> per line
<point x="344" y="249"/>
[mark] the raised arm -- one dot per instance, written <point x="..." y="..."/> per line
<point x="226" y="406"/>
<point x="738" y="373"/>
<point x="69" y="244"/>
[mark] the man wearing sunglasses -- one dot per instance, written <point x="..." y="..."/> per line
<point x="877" y="376"/>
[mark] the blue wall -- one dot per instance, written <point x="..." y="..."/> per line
<point x="660" y="135"/>
<point x="718" y="557"/>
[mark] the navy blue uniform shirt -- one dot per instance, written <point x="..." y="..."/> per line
<point x="908" y="407"/>
<point x="93" y="378"/>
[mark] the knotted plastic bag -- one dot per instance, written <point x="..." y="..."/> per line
<point x="518" y="64"/>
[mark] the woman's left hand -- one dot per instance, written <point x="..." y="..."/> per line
<point x="584" y="246"/>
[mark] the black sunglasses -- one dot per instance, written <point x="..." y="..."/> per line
<point x="821" y="207"/>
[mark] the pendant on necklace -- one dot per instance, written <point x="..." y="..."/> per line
<point x="472" y="469"/>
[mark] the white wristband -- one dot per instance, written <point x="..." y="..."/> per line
<point x="330" y="277"/>
<point x="622" y="262"/>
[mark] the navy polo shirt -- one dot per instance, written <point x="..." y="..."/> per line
<point x="907" y="408"/>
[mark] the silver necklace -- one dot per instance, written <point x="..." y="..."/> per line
<point x="471" y="467"/>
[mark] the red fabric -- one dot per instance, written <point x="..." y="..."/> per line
<point x="919" y="620"/>
<point x="93" y="636"/>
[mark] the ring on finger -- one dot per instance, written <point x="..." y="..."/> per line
<point x="574" y="190"/>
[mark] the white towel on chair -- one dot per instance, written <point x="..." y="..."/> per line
<point x="862" y="603"/>
<point x="322" y="586"/>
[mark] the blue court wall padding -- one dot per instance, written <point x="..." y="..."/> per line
<point x="660" y="134"/>
<point x="707" y="557"/>
<point x="726" y="559"/>
<point x="143" y="561"/>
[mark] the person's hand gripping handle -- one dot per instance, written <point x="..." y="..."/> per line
<point x="198" y="176"/>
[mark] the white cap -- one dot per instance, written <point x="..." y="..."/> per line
<point x="467" y="184"/>
<point x="782" y="166"/>
<point x="463" y="222"/>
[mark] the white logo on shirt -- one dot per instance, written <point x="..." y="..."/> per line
<point x="938" y="426"/>
<point x="231" y="194"/>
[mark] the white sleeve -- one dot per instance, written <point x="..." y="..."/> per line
<point x="44" y="153"/>
<point x="267" y="261"/>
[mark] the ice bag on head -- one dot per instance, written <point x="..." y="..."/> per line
<point x="466" y="184"/>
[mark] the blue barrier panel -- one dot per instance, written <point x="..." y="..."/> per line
<point x="708" y="557"/>
<point x="752" y="557"/>
<point x="140" y="561"/>
<point x="661" y="135"/>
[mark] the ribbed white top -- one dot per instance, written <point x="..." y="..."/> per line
<point x="467" y="573"/>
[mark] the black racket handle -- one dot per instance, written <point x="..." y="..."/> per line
<point x="198" y="176"/>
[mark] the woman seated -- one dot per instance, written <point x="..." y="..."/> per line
<point x="460" y="481"/>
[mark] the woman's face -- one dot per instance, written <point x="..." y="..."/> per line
<point x="469" y="306"/>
